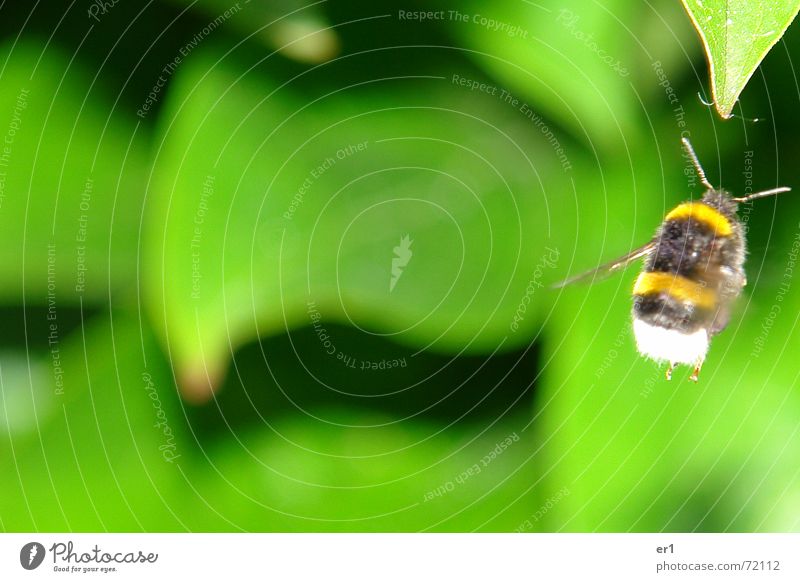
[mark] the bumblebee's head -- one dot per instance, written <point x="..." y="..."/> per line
<point x="722" y="201"/>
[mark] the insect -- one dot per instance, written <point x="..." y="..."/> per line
<point x="693" y="271"/>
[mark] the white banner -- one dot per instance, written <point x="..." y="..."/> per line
<point x="401" y="557"/>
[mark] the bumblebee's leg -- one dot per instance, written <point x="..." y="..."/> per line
<point x="669" y="371"/>
<point x="696" y="371"/>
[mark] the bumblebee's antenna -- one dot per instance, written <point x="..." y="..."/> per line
<point x="763" y="194"/>
<point x="698" y="168"/>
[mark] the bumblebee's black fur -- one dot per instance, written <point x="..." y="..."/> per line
<point x="664" y="311"/>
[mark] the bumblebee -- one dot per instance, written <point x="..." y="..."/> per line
<point x="693" y="271"/>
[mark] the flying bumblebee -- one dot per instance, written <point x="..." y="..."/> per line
<point x="693" y="271"/>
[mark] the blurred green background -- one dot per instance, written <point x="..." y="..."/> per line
<point x="201" y="207"/>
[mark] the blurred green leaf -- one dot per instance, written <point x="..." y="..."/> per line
<point x="98" y="457"/>
<point x="270" y="212"/>
<point x="356" y="471"/>
<point x="297" y="29"/>
<point x="574" y="60"/>
<point x="737" y="35"/>
<point x="71" y="174"/>
<point x="95" y="458"/>
<point x="23" y="382"/>
<point x="115" y="452"/>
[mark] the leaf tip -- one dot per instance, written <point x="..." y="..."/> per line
<point x="198" y="383"/>
<point x="724" y="111"/>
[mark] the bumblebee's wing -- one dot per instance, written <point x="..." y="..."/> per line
<point x="604" y="271"/>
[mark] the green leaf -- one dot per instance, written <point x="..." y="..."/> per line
<point x="271" y="207"/>
<point x="573" y="61"/>
<point x="340" y="474"/>
<point x="72" y="173"/>
<point x="116" y="450"/>
<point x="98" y="447"/>
<point x="297" y="29"/>
<point x="737" y="35"/>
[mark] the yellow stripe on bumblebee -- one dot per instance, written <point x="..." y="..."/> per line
<point x="703" y="213"/>
<point x="677" y="286"/>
